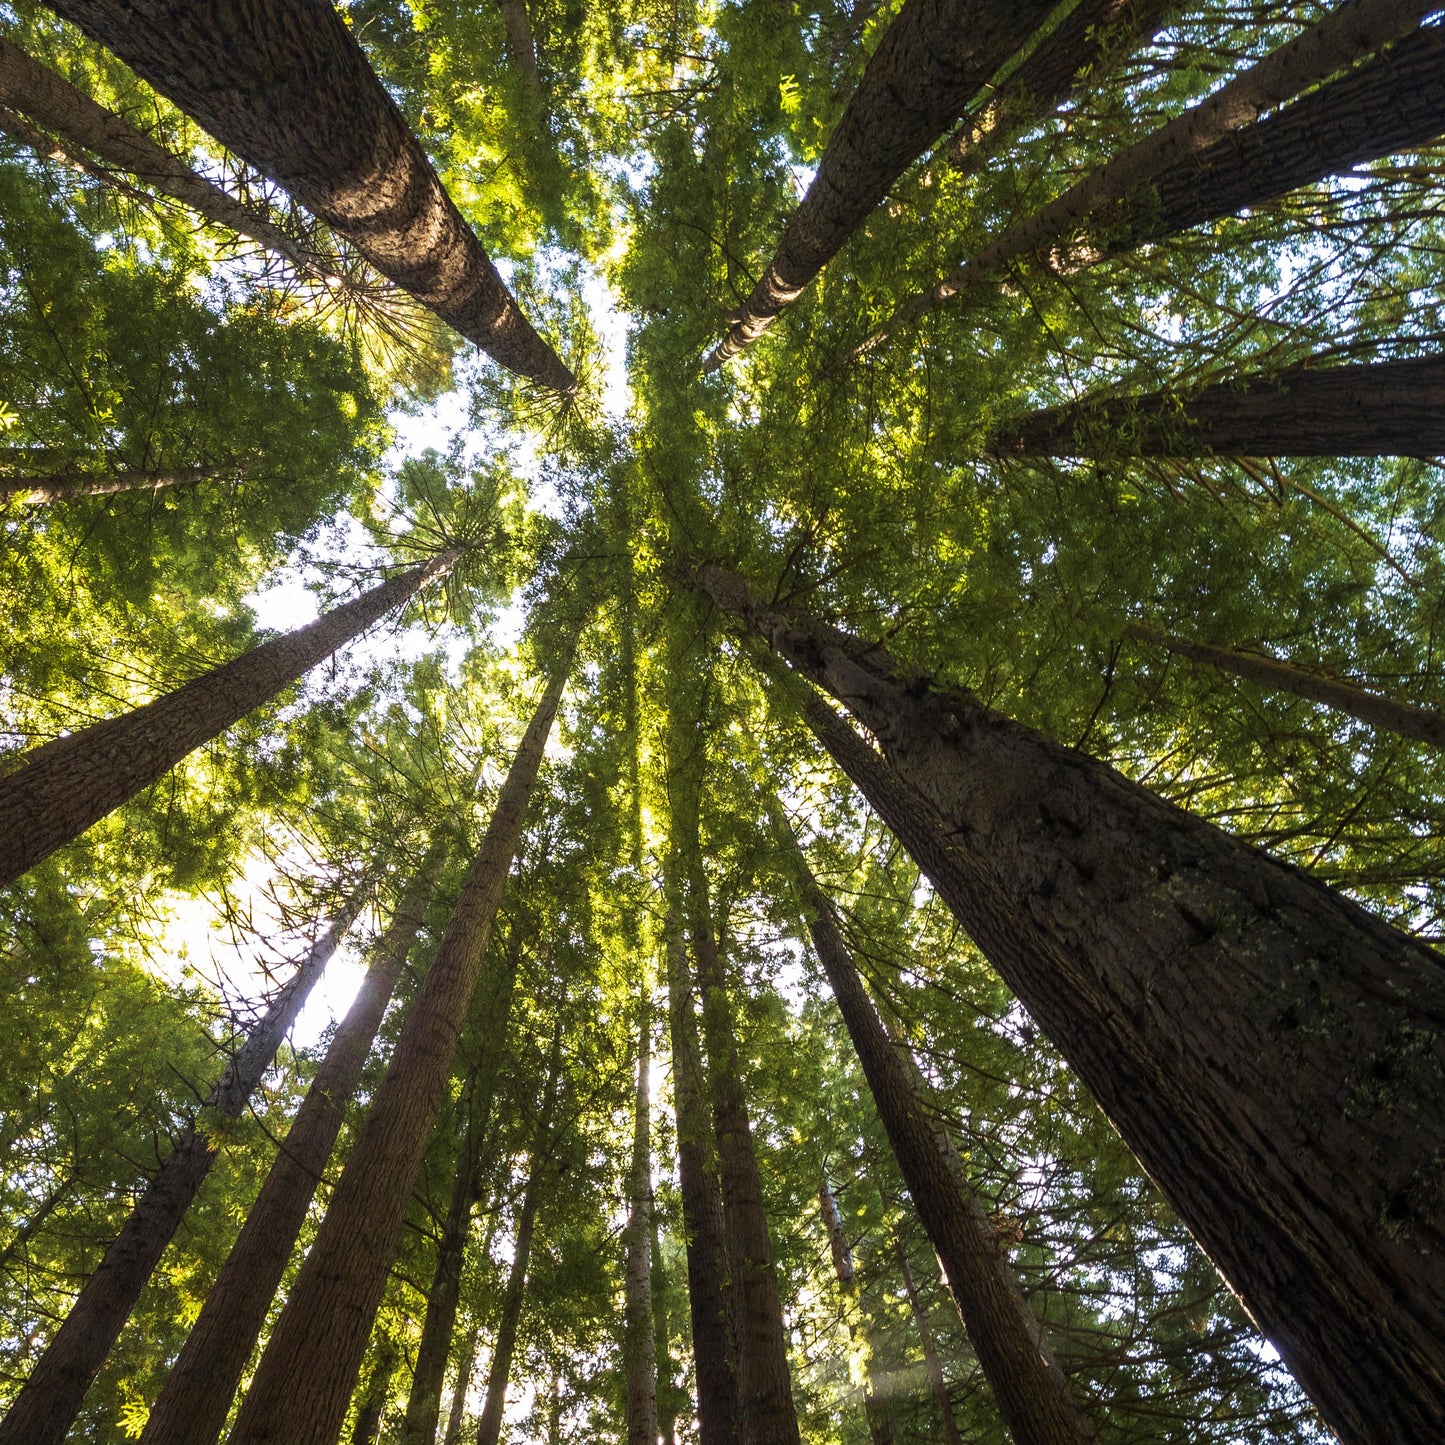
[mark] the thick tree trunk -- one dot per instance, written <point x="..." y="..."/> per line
<point x="65" y="486"/>
<point x="937" y="1383"/>
<point x="489" y="1429"/>
<point x="367" y="1429"/>
<point x="285" y="85"/>
<point x="1348" y="33"/>
<point x="931" y="61"/>
<point x="304" y="1381"/>
<point x="640" y="1346"/>
<point x="52" y="794"/>
<point x="1380" y="409"/>
<point x="1012" y="1348"/>
<point x="707" y="1274"/>
<point x="196" y="1397"/>
<point x="1424" y="724"/>
<point x="50" y="1399"/>
<point x="1273" y="1054"/>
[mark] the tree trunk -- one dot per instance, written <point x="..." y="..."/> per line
<point x="55" y="792"/>
<point x="524" y="53"/>
<point x="640" y="1344"/>
<point x="462" y="1384"/>
<point x="489" y="1429"/>
<point x="931" y="61"/>
<point x="936" y="1381"/>
<point x="196" y="1397"/>
<point x="1349" y="32"/>
<point x="65" y="486"/>
<point x="1273" y="1054"/>
<point x="1384" y="408"/>
<point x="367" y="1429"/>
<point x="1013" y="1350"/>
<point x="667" y="1390"/>
<point x="284" y="84"/>
<point x="301" y="1387"/>
<point x="50" y="1399"/>
<point x="707" y="1276"/>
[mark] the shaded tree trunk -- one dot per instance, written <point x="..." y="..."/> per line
<point x="1379" y="409"/>
<point x="55" y="792"/>
<point x="51" y="1397"/>
<point x="1273" y="1054"/>
<point x="667" y="1389"/>
<point x="462" y="1384"/>
<point x="306" y="1375"/>
<point x="931" y="61"/>
<point x="937" y="1383"/>
<point x="640" y="1343"/>
<point x="65" y="486"/>
<point x="285" y="85"/>
<point x="367" y="1429"/>
<point x="524" y="52"/>
<point x="1012" y="1347"/>
<point x="196" y="1397"/>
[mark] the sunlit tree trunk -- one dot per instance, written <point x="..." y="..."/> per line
<point x="285" y="85"/>
<point x="937" y="1382"/>
<point x="51" y="1397"/>
<point x="307" y="1373"/>
<point x="52" y="794"/>
<point x="1272" y="1053"/>
<point x="640" y="1345"/>
<point x="65" y="486"/>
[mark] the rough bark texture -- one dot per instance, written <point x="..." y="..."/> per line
<point x="1272" y="1053"/>
<point x="937" y="1383"/>
<point x="707" y="1276"/>
<point x="1384" y="408"/>
<point x="367" y="1429"/>
<point x="65" y="486"/>
<point x="306" y="1375"/>
<point x="1346" y="34"/>
<point x="640" y="1346"/>
<point x="196" y="1397"/>
<point x="50" y="1399"/>
<point x="929" y="64"/>
<point x="55" y="792"/>
<point x="284" y="85"/>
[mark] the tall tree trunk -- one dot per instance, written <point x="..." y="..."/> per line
<point x="462" y="1384"/>
<point x="1345" y="35"/>
<point x="196" y="1397"/>
<point x="367" y="1429"/>
<point x="65" y="486"/>
<point x="1424" y="724"/>
<point x="1379" y="409"/>
<point x="1012" y="1348"/>
<point x="57" y="791"/>
<point x="1272" y="1053"/>
<point x="524" y="53"/>
<point x="285" y="85"/>
<point x="304" y="1381"/>
<point x="640" y="1344"/>
<point x="936" y="1381"/>
<point x="489" y="1429"/>
<point x="931" y="61"/>
<point x="662" y="1343"/>
<point x="707" y="1275"/>
<point x="50" y="1399"/>
<point x="423" y="1405"/>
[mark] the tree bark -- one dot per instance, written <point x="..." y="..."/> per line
<point x="931" y="61"/>
<point x="937" y="1383"/>
<point x="462" y="1384"/>
<point x="367" y="1429"/>
<point x="1013" y="1350"/>
<point x="1349" y="32"/>
<point x="1379" y="409"/>
<point x="55" y="792"/>
<point x="65" y="486"/>
<point x="667" y="1390"/>
<point x="50" y="1399"/>
<point x="489" y="1429"/>
<point x="1273" y="1054"/>
<point x="284" y="84"/>
<point x="524" y="52"/>
<point x="640" y="1344"/>
<point x="196" y="1397"/>
<point x="707" y="1275"/>
<point x="304" y="1381"/>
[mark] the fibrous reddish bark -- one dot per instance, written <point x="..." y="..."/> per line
<point x="51" y="1397"/>
<point x="284" y="84"/>
<point x="640" y="1347"/>
<point x="55" y="792"/>
<point x="306" y="1375"/>
<point x="1273" y="1054"/>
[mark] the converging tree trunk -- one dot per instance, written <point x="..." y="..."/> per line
<point x="462" y="1385"/>
<point x="937" y="1381"/>
<point x="667" y="1388"/>
<point x="1012" y="1348"/>
<point x="931" y="61"/>
<point x="285" y="85"/>
<point x="1377" y="409"/>
<point x="367" y="1429"/>
<point x="306" y="1375"/>
<point x="196" y="1397"/>
<point x="55" y="792"/>
<point x="66" y="486"/>
<point x="1273" y="1054"/>
<point x="51" y="1397"/>
<point x="640" y="1346"/>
